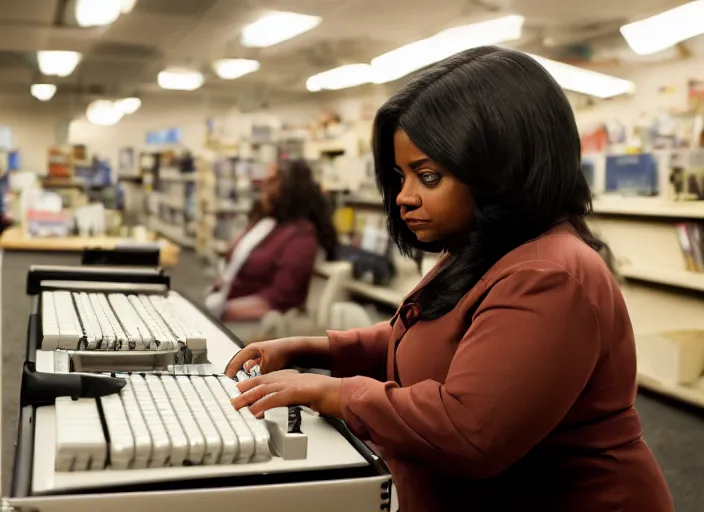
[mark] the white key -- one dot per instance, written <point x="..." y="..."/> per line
<point x="50" y="325"/>
<point x="244" y="435"/>
<point x="167" y="341"/>
<point x="258" y="427"/>
<point x="140" y="431"/>
<point x="92" y="318"/>
<point x="108" y="341"/>
<point x="161" y="446"/>
<point x="69" y="327"/>
<point x="121" y="439"/>
<point x="175" y="317"/>
<point x="213" y="442"/>
<point x="179" y="443"/>
<point x="169" y="318"/>
<point x="196" y="443"/>
<point x="80" y="443"/>
<point x="154" y="329"/>
<point x="229" y="439"/>
<point x="86" y="327"/>
<point x="121" y="340"/>
<point x="134" y="328"/>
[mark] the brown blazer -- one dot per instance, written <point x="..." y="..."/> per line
<point x="280" y="268"/>
<point x="526" y="405"/>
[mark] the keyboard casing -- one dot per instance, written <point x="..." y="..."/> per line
<point x="340" y="472"/>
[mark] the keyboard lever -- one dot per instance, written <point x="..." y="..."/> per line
<point x="41" y="388"/>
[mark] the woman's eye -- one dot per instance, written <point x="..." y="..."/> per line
<point x="430" y="178"/>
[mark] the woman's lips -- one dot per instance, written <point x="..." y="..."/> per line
<point x="415" y="224"/>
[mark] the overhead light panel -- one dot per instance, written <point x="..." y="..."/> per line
<point x="180" y="79"/>
<point x="414" y="56"/>
<point x="349" y="75"/>
<point x="43" y="92"/>
<point x="585" y="81"/>
<point x="126" y="6"/>
<point x="104" y="113"/>
<point x="97" y="13"/>
<point x="230" y="69"/>
<point x="57" y="63"/>
<point x="129" y="105"/>
<point x="277" y="27"/>
<point x="666" y="29"/>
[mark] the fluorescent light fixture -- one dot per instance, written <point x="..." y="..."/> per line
<point x="414" y="56"/>
<point x="57" y="63"/>
<point x="104" y="113"/>
<point x="129" y="105"/>
<point x="277" y="27"/>
<point x="230" y="69"/>
<point x="666" y="29"/>
<point x="585" y="81"/>
<point x="43" y="92"/>
<point x="180" y="79"/>
<point x="97" y="13"/>
<point x="349" y="75"/>
<point x="126" y="6"/>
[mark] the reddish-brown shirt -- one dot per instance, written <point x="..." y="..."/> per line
<point x="279" y="269"/>
<point x="521" y="398"/>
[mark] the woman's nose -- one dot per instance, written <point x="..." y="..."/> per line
<point x="408" y="197"/>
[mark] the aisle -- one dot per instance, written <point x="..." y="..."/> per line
<point x="675" y="433"/>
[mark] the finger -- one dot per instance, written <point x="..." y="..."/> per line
<point x="281" y="398"/>
<point x="240" y="358"/>
<point x="252" y="363"/>
<point x="255" y="394"/>
<point x="246" y="385"/>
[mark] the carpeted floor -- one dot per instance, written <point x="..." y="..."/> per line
<point x="675" y="433"/>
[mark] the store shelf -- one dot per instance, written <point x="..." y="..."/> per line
<point x="172" y="232"/>
<point x="678" y="278"/>
<point x="649" y="207"/>
<point x="693" y="395"/>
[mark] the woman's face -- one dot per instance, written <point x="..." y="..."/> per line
<point x="270" y="188"/>
<point x="435" y="205"/>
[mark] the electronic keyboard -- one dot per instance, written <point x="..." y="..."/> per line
<point x="124" y="404"/>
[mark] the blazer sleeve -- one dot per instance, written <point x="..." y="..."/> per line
<point x="360" y="351"/>
<point x="531" y="348"/>
<point x="293" y="271"/>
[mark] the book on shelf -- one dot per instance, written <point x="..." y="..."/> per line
<point x="690" y="236"/>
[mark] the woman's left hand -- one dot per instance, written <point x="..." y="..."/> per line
<point x="289" y="387"/>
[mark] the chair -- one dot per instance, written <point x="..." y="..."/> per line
<point x="326" y="288"/>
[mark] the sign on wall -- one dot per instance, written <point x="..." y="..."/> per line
<point x="168" y="136"/>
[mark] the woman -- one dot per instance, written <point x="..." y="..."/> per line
<point x="507" y="379"/>
<point x="270" y="265"/>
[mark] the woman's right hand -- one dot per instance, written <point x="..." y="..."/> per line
<point x="283" y="353"/>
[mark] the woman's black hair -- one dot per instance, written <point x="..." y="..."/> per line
<point x="499" y="122"/>
<point x="298" y="197"/>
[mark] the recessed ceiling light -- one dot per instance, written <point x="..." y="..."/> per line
<point x="586" y="81"/>
<point x="666" y="29"/>
<point x="43" y="92"/>
<point x="57" y="63"/>
<point x="230" y="69"/>
<point x="129" y="105"/>
<point x="349" y="75"/>
<point x="97" y="13"/>
<point x="180" y="79"/>
<point x="104" y="113"/>
<point x="411" y="57"/>
<point x="277" y="27"/>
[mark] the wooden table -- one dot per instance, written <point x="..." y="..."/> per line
<point x="15" y="239"/>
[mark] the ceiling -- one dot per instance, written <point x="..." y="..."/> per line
<point x="125" y="57"/>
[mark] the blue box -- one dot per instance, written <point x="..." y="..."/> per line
<point x="632" y="174"/>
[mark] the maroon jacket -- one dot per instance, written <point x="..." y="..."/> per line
<point x="528" y="407"/>
<point x="280" y="268"/>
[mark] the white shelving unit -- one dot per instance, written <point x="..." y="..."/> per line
<point x="642" y="234"/>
